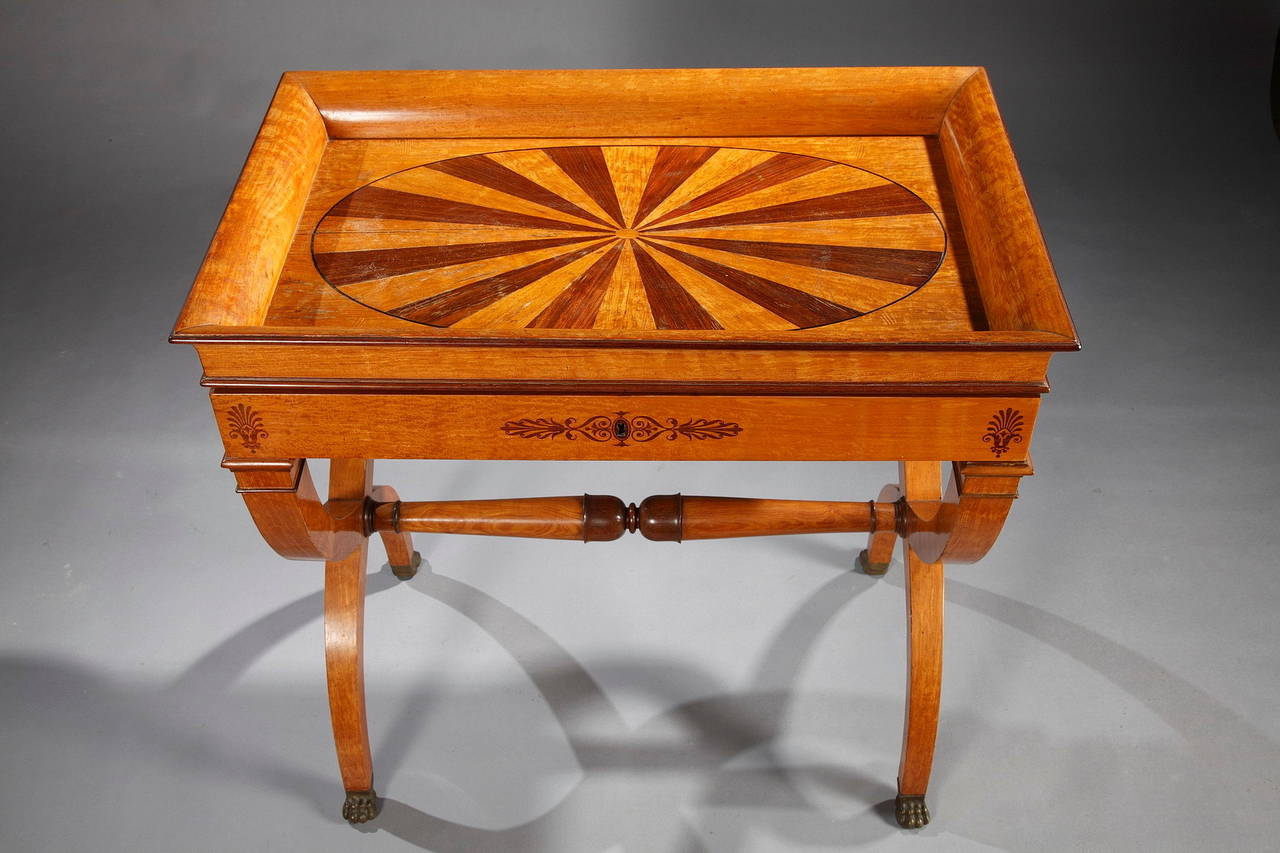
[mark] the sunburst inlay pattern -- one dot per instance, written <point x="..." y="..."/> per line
<point x="629" y="237"/>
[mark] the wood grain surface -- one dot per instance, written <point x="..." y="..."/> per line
<point x="481" y="368"/>
<point x="921" y="481"/>
<point x="655" y="102"/>
<point x="344" y="585"/>
<point x="1012" y="268"/>
<point x="235" y="282"/>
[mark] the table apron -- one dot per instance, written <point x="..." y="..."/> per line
<point x="459" y="426"/>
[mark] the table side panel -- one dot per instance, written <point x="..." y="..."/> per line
<point x="656" y="102"/>
<point x="236" y="281"/>
<point x="1017" y="280"/>
<point x="421" y="426"/>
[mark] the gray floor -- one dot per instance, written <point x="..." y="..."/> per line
<point x="1113" y="668"/>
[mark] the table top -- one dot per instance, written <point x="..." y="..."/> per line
<point x="789" y="208"/>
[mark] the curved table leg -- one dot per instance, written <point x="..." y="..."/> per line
<point x="344" y="582"/>
<point x="876" y="557"/>
<point x="404" y="561"/>
<point x="924" y="588"/>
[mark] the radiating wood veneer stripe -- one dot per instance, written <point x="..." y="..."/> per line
<point x="482" y="170"/>
<point x="885" y="200"/>
<point x="672" y="306"/>
<point x="387" y="294"/>
<point x="626" y="303"/>
<point x="800" y="308"/>
<point x="859" y="293"/>
<point x="722" y="165"/>
<point x="815" y="184"/>
<point x="577" y="305"/>
<point x="901" y="266"/>
<point x="517" y="309"/>
<point x="424" y="180"/>
<point x="537" y="165"/>
<point x="587" y="166"/>
<point x="432" y="234"/>
<point x="673" y="165"/>
<point x="914" y="231"/>
<point x="775" y="170"/>
<point x="629" y="167"/>
<point x="450" y="306"/>
<point x="376" y="203"/>
<point x="729" y="308"/>
<point x="342" y="268"/>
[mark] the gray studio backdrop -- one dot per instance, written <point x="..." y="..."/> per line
<point x="1111" y="667"/>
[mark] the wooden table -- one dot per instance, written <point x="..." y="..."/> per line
<point x="767" y="264"/>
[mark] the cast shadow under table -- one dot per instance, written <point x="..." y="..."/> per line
<point x="771" y="793"/>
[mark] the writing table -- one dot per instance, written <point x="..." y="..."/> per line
<point x="712" y="264"/>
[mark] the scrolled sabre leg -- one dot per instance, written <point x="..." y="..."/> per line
<point x="344" y="587"/>
<point x="876" y="557"/>
<point x="401" y="556"/>
<point x="924" y="687"/>
<point x="344" y="662"/>
<point x="924" y="587"/>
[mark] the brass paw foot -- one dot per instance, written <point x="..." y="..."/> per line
<point x="911" y="812"/>
<point x="869" y="568"/>
<point x="406" y="572"/>
<point x="360" y="807"/>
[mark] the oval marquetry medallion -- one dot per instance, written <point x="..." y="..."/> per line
<point x="629" y="237"/>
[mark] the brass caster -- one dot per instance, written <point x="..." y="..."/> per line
<point x="911" y="812"/>
<point x="360" y="807"/>
<point x="869" y="568"/>
<point x="406" y="572"/>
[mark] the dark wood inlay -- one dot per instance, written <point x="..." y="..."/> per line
<point x="343" y="268"/>
<point x="1004" y="429"/>
<point x="775" y="170"/>
<point x="381" y="203"/>
<point x="795" y="306"/>
<point x="451" y="306"/>
<point x="579" y="387"/>
<point x="1033" y="341"/>
<point x="901" y="266"/>
<point x="482" y="170"/>
<point x="673" y="307"/>
<point x="885" y="200"/>
<point x="248" y="427"/>
<point x="620" y="427"/>
<point x="577" y="304"/>
<point x="587" y="166"/>
<point x="672" y="167"/>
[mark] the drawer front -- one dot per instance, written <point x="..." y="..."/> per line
<point x="460" y="426"/>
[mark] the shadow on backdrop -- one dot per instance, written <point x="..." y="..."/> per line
<point x="724" y="755"/>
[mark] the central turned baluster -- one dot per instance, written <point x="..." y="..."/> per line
<point x="603" y="518"/>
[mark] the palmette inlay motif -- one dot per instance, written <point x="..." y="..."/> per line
<point x="621" y="427"/>
<point x="625" y="237"/>
<point x="248" y="426"/>
<point x="1004" y="428"/>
